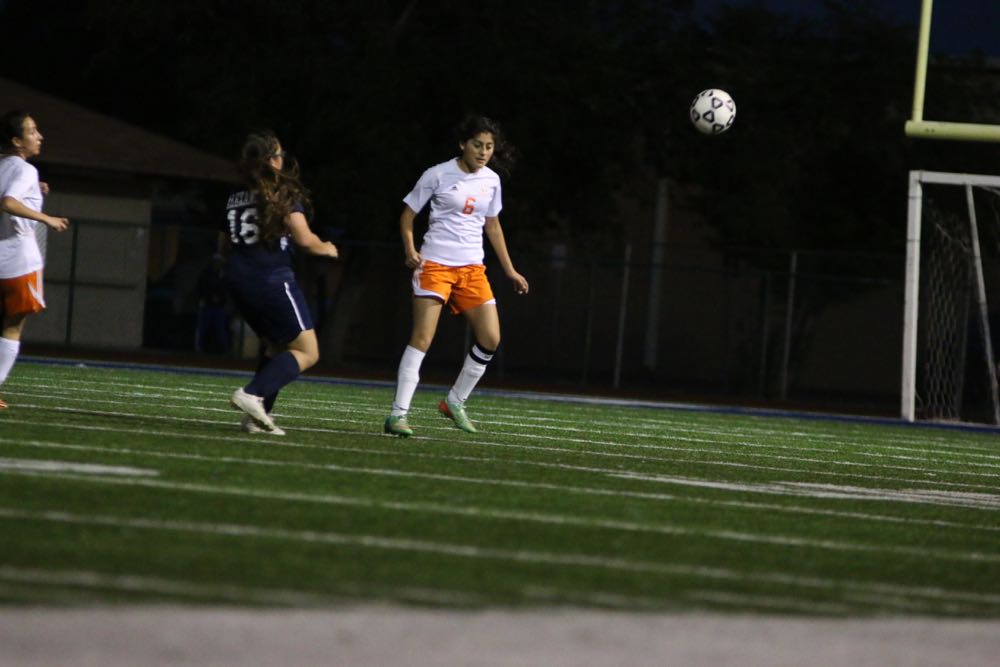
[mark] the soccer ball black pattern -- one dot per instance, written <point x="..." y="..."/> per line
<point x="713" y="111"/>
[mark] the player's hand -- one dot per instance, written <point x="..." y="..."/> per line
<point x="44" y="187"/>
<point x="520" y="282"/>
<point x="58" y="224"/>
<point x="413" y="259"/>
<point x="330" y="250"/>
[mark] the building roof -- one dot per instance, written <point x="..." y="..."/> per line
<point x="78" y="137"/>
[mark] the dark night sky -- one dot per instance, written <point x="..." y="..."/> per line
<point x="958" y="27"/>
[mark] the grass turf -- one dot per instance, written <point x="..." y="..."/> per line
<point x="138" y="486"/>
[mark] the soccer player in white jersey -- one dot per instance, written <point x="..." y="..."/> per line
<point x="21" y="197"/>
<point x="464" y="194"/>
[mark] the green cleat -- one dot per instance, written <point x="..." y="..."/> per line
<point x="456" y="413"/>
<point x="397" y="426"/>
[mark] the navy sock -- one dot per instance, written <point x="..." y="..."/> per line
<point x="262" y="360"/>
<point x="274" y="375"/>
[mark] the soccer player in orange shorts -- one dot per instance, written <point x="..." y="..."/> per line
<point x="21" y="198"/>
<point x="464" y="194"/>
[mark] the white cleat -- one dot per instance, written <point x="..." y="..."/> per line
<point x="248" y="425"/>
<point x="253" y="406"/>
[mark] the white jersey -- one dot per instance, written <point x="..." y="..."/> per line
<point x="460" y="204"/>
<point x="19" y="253"/>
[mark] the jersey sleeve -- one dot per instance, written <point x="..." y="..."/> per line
<point x="22" y="183"/>
<point x="422" y="191"/>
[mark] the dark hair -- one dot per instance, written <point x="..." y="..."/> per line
<point x="504" y="153"/>
<point x="12" y="127"/>
<point x="278" y="191"/>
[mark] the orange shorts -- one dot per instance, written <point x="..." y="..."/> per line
<point x="22" y="295"/>
<point x="461" y="287"/>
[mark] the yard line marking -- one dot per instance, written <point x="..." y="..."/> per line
<point x="901" y="604"/>
<point x="543" y="518"/>
<point x="159" y="585"/>
<point x="773" y="602"/>
<point x="659" y="424"/>
<point x="438" y="476"/>
<point x="550" y="595"/>
<point x="612" y="444"/>
<point x="585" y="405"/>
<point x="10" y="464"/>
<point x="146" y="584"/>
<point x="459" y="550"/>
<point x="273" y="445"/>
<point x="949" y="454"/>
<point x="658" y="447"/>
<point x="985" y="501"/>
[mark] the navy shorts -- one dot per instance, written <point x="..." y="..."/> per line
<point x="270" y="301"/>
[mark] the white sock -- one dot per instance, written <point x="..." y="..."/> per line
<point x="407" y="379"/>
<point x="8" y="354"/>
<point x="468" y="377"/>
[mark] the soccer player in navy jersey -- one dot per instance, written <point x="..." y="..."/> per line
<point x="263" y="223"/>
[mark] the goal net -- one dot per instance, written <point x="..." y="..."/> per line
<point x="949" y="370"/>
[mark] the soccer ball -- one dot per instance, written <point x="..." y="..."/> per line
<point x="713" y="111"/>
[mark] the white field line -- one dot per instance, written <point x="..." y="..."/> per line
<point x="659" y="425"/>
<point x="234" y="593"/>
<point x="540" y="518"/>
<point x="549" y="595"/>
<point x="506" y="482"/>
<point x="29" y="465"/>
<point x="901" y="604"/>
<point x="664" y="420"/>
<point x="25" y="582"/>
<point x="983" y="501"/>
<point x="605" y="443"/>
<point x="780" y="508"/>
<point x="273" y="445"/>
<point x="156" y="392"/>
<point x="771" y="602"/>
<point x="659" y="497"/>
<point x="146" y="584"/>
<point x="459" y="550"/>
<point x="671" y="460"/>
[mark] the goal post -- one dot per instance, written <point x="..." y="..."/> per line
<point x="928" y="129"/>
<point x="948" y="261"/>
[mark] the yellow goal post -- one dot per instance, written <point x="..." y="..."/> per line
<point x="930" y="129"/>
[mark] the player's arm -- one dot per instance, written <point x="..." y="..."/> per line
<point x="12" y="206"/>
<point x="412" y="258"/>
<point x="304" y="237"/>
<point x="494" y="232"/>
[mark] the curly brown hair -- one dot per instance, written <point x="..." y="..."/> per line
<point x="278" y="191"/>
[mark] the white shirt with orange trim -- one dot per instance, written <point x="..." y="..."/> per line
<point x="19" y="253"/>
<point x="460" y="204"/>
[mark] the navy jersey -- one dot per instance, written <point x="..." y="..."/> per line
<point x="244" y="233"/>
<point x="259" y="276"/>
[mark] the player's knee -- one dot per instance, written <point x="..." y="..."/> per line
<point x="309" y="359"/>
<point x="489" y="343"/>
<point x="421" y="342"/>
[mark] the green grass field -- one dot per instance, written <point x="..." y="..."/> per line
<point x="120" y="485"/>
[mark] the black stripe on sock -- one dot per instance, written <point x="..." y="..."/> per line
<point x="479" y="355"/>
